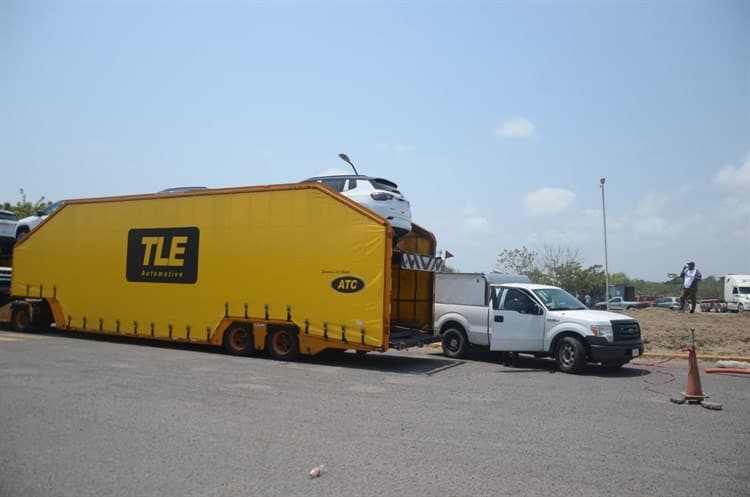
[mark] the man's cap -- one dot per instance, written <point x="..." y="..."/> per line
<point x="691" y="263"/>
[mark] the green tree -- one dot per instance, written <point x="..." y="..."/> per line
<point x="516" y="261"/>
<point x="560" y="266"/>
<point x="25" y="208"/>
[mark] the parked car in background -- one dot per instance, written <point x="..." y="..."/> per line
<point x="668" y="303"/>
<point x="30" y="222"/>
<point x="620" y="303"/>
<point x="377" y="194"/>
<point x="8" y="225"/>
<point x="646" y="299"/>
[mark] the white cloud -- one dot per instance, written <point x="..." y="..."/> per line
<point x="734" y="178"/>
<point x="473" y="222"/>
<point x="736" y="208"/>
<point x="651" y="204"/>
<point x="736" y="204"/>
<point x="559" y="238"/>
<point x="655" y="230"/>
<point x="518" y="127"/>
<point x="548" y="201"/>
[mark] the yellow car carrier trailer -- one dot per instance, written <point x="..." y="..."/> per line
<point x="289" y="269"/>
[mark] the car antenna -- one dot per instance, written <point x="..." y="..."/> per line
<point x="345" y="158"/>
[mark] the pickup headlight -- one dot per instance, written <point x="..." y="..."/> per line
<point x="604" y="331"/>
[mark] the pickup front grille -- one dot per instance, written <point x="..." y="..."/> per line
<point x="626" y="329"/>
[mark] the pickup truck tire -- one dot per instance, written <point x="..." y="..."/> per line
<point x="455" y="343"/>
<point x="570" y="355"/>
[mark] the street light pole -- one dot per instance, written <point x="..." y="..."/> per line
<point x="606" y="262"/>
<point x="346" y="159"/>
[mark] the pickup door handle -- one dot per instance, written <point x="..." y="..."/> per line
<point x="499" y="319"/>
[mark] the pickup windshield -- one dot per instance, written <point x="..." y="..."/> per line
<point x="557" y="299"/>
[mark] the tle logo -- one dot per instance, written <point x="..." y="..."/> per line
<point x="348" y="284"/>
<point x="163" y="255"/>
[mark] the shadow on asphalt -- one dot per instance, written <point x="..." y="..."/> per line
<point x="387" y="363"/>
<point x="374" y="361"/>
<point x="430" y="363"/>
<point x="530" y="364"/>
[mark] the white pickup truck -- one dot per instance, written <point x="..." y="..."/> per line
<point x="505" y="314"/>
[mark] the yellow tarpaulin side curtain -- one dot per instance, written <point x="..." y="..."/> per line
<point x="297" y="251"/>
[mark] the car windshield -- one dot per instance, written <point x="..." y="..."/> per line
<point x="384" y="184"/>
<point x="52" y="208"/>
<point x="557" y="299"/>
<point x="7" y="215"/>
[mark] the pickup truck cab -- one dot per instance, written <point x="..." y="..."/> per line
<point x="542" y="320"/>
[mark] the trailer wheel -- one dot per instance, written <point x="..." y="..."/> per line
<point x="238" y="340"/>
<point x="570" y="355"/>
<point x="282" y="344"/>
<point x="21" y="319"/>
<point x="455" y="343"/>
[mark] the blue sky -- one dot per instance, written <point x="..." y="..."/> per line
<point x="496" y="119"/>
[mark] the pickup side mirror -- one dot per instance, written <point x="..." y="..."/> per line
<point x="538" y="310"/>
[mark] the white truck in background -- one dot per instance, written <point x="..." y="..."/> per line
<point x="506" y="313"/>
<point x="736" y="295"/>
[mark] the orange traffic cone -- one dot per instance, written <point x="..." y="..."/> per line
<point x="693" y="392"/>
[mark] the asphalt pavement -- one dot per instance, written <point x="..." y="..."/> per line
<point x="116" y="417"/>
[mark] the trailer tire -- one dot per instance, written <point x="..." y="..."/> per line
<point x="282" y="344"/>
<point x="238" y="340"/>
<point x="21" y="319"/>
<point x="570" y="355"/>
<point x="455" y="344"/>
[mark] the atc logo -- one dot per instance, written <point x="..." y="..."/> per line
<point x="348" y="284"/>
<point x="163" y="255"/>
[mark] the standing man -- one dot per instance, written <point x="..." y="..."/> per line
<point x="690" y="278"/>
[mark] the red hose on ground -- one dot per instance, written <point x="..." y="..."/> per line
<point x="728" y="370"/>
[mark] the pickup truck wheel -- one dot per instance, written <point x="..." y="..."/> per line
<point x="238" y="340"/>
<point x="570" y="355"/>
<point x="282" y="344"/>
<point x="455" y="343"/>
<point x="740" y="309"/>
